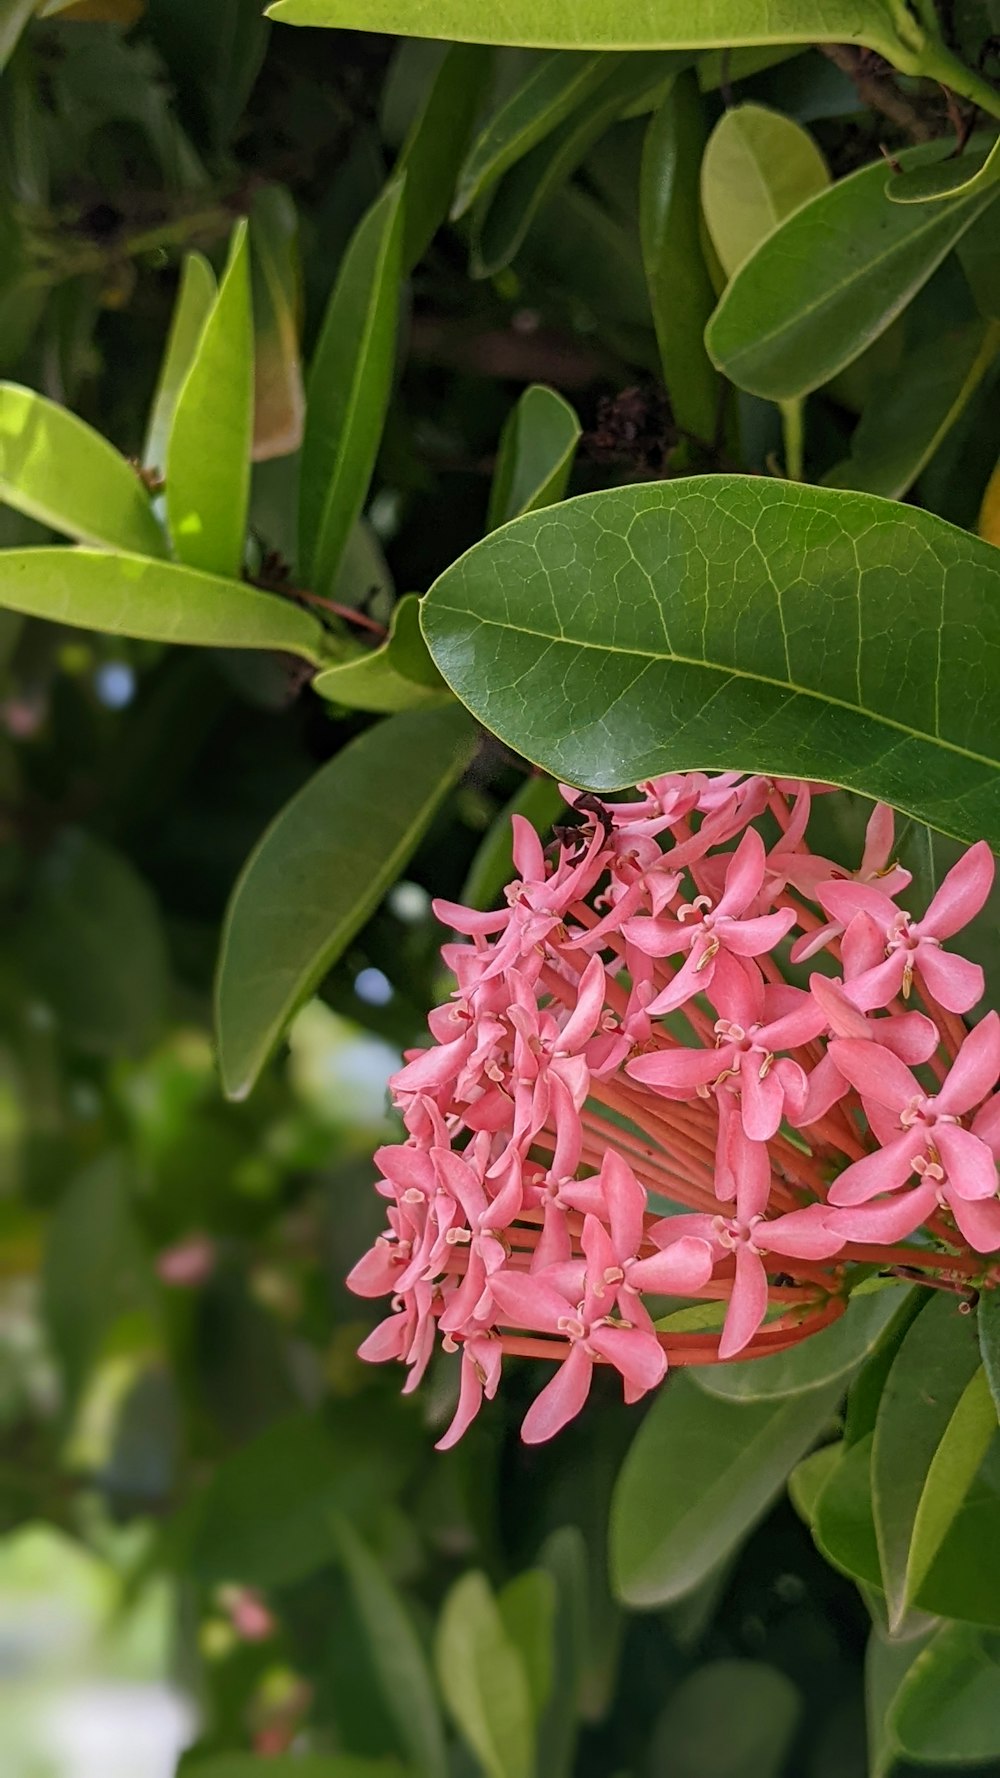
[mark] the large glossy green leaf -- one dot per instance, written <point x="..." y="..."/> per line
<point x="535" y="457"/>
<point x="591" y="24"/>
<point x="750" y="1738"/>
<point x="950" y="178"/>
<point x="432" y="153"/>
<point x="56" y="469"/>
<point x="320" y="870"/>
<point x="208" y="450"/>
<point x="276" y="277"/>
<point x="698" y="1475"/>
<point x="785" y="325"/>
<point x="737" y="623"/>
<point x="398" y="676"/>
<point x="680" y="288"/>
<point x="155" y="601"/>
<point x="758" y="167"/>
<point x="925" y="1385"/>
<point x="195" y="296"/>
<point x="952" y="1470"/>
<point x="397" y="1657"/>
<point x="828" y="1357"/>
<point x="348" y="388"/>
<point x="947" y="1707"/>
<point x="550" y="93"/>
<point x="483" y="1679"/>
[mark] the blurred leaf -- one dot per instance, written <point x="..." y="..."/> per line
<point x="208" y="449"/>
<point x="923" y="1390"/>
<point x="397" y="1657"/>
<point x="758" y="167"/>
<point x="94" y="1268"/>
<point x="158" y="601"/>
<point x="195" y="297"/>
<point x="910" y="413"/>
<point x="784" y="326"/>
<point x="527" y="1606"/>
<point x="483" y="1679"/>
<point x="320" y="870"/>
<point x="947" y="1707"/>
<point x="554" y="88"/>
<point x="950" y="1474"/>
<point x="827" y="1357"/>
<point x="722" y="645"/>
<point x="292" y="1765"/>
<point x="116" y="12"/>
<point x="699" y="1474"/>
<point x="989" y="513"/>
<point x="988" y="1322"/>
<point x="348" y="388"/>
<point x="14" y="15"/>
<point x="729" y="1719"/>
<point x="950" y="178"/>
<point x="94" y="946"/>
<point x="399" y="675"/>
<point x="539" y="800"/>
<point x="564" y="1556"/>
<point x="56" y="469"/>
<point x="214" y="53"/>
<point x="886" y="1665"/>
<point x="535" y="455"/>
<point x="432" y="153"/>
<point x="276" y="279"/>
<point x="979" y="255"/>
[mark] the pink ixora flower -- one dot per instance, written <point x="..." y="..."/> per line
<point x="622" y="1036"/>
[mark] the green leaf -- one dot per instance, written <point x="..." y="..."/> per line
<point x="703" y="624"/>
<point x="827" y="1357"/>
<point x="728" y="1719"/>
<point x="535" y="456"/>
<point x="979" y="254"/>
<point x="94" y="1269"/>
<point x="785" y="325"/>
<point x="865" y="1392"/>
<point x="842" y="1524"/>
<point x="758" y="167"/>
<point x="320" y="870"/>
<point x="539" y="800"/>
<point x="214" y="54"/>
<point x="564" y="1556"/>
<point x="292" y="1765"/>
<point x="948" y="178"/>
<point x="399" y="675"/>
<point x="964" y="1580"/>
<point x="699" y="1474"/>
<point x="208" y="450"/>
<point x="591" y="24"/>
<point x="886" y="1665"/>
<point x="483" y="1679"/>
<point x="516" y="200"/>
<point x="56" y="469"/>
<point x="348" y="388"/>
<point x="94" y="945"/>
<point x="947" y="1707"/>
<point x="988" y="1319"/>
<point x="911" y="412"/>
<point x="952" y="1470"/>
<point x="195" y="296"/>
<point x="398" y="1658"/>
<point x="555" y="87"/>
<point x="680" y="288"/>
<point x="268" y="1515"/>
<point x="432" y="153"/>
<point x="154" y="601"/>
<point x="14" y="15"/>
<point x="925" y="1385"/>
<point x="527" y="1607"/>
<point x="276" y="280"/>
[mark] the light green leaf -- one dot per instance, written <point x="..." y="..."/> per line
<point x="827" y="1357"/>
<point x="154" y="601"/>
<point x="950" y="1474"/>
<point x="535" y="457"/>
<point x="911" y="412"/>
<point x="397" y="1657"/>
<point x="758" y="167"/>
<point x="925" y="1385"/>
<point x="883" y="25"/>
<point x="58" y="470"/>
<point x="680" y="288"/>
<point x="699" y="1474"/>
<point x="704" y="624"/>
<point x="947" y="1707"/>
<point x="208" y="450"/>
<point x="842" y="1525"/>
<point x="527" y="1606"/>
<point x="432" y="153"/>
<point x="195" y="296"/>
<point x="276" y="279"/>
<point x="399" y="675"/>
<point x="988" y="1318"/>
<point x="749" y="1735"/>
<point x="948" y="178"/>
<point x="540" y="801"/>
<point x="348" y="388"/>
<point x="483" y="1679"/>
<point x="555" y="87"/>
<point x="785" y="325"/>
<point x="320" y="870"/>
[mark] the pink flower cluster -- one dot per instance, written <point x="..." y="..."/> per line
<point x="625" y="1100"/>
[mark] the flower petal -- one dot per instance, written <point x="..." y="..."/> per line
<point x="954" y="982"/>
<point x="884" y="1171"/>
<point x="678" y="1270"/>
<point x="971" y="1169"/>
<point x="561" y="1399"/>
<point x="963" y="893"/>
<point x="747" y="1305"/>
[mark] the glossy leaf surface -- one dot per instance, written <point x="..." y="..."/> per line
<point x="827" y="1357"/>
<point x="550" y="92"/>
<point x="535" y="456"/>
<point x="196" y="294"/>
<point x="56" y="469"/>
<point x="397" y="676"/>
<point x="432" y="153"/>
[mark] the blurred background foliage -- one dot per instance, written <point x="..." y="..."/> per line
<point x="218" y="1526"/>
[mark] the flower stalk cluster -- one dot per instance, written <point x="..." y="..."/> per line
<point x="626" y="1100"/>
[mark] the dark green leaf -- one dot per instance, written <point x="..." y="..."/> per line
<point x="950" y="178"/>
<point x="828" y="1357"/>
<point x="320" y="870"/>
<point x="208" y="448"/>
<point x="886" y="1665"/>
<point x="483" y="1679"/>
<point x="14" y="15"/>
<point x="276" y="279"/>
<point x="952" y="1470"/>
<point x="432" y="153"/>
<point x="729" y="1719"/>
<point x="947" y="1707"/>
<point x="214" y="54"/>
<point x="556" y="86"/>
<point x="195" y="296"/>
<point x="56" y="469"/>
<point x="865" y="1392"/>
<point x="539" y="800"/>
<point x="842" y="1522"/>
<point x="94" y="1269"/>
<point x="979" y="253"/>
<point x="398" y="676"/>
<point x="988" y="1318"/>
<point x="348" y="388"/>
<point x="564" y="1556"/>
<point x="535" y="457"/>
<point x="527" y="1607"/>
<point x="699" y="1474"/>
<point x="291" y="1765"/>
<point x="704" y="624"/>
